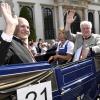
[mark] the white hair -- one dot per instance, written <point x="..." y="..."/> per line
<point x="86" y="23"/>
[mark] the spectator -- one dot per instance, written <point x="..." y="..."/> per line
<point x="44" y="48"/>
<point x="52" y="48"/>
<point x="53" y="42"/>
<point x="33" y="48"/>
<point x="39" y="45"/>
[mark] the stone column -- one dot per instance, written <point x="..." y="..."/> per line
<point x="38" y="21"/>
<point x="56" y="20"/>
<point x="61" y="17"/>
<point x="86" y="14"/>
<point x="99" y="20"/>
<point x="96" y="21"/>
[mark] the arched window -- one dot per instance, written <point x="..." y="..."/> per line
<point x="48" y="23"/>
<point x="75" y="26"/>
<point x="27" y="12"/>
<point x="91" y="19"/>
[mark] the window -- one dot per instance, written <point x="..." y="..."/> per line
<point x="26" y="11"/>
<point x="91" y="19"/>
<point x="48" y="23"/>
<point x="73" y="1"/>
<point x="0" y="31"/>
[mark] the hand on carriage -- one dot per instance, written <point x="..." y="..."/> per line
<point x="53" y="58"/>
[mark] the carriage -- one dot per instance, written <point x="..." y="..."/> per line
<point x="72" y="81"/>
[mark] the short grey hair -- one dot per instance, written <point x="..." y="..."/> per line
<point x="85" y="23"/>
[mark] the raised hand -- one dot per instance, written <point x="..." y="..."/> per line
<point x="70" y="16"/>
<point x="11" y="21"/>
<point x="70" y="19"/>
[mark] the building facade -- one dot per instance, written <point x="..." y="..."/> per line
<point x="48" y="16"/>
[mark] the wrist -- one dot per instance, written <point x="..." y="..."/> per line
<point x="10" y="29"/>
<point x="68" y="27"/>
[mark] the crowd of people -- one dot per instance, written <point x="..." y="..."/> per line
<point x="17" y="30"/>
<point x="69" y="47"/>
<point x="41" y="47"/>
<point x="85" y="43"/>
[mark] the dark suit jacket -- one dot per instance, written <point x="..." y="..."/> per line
<point x="14" y="52"/>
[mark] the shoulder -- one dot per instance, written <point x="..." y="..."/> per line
<point x="70" y="43"/>
<point x="95" y="35"/>
<point x="78" y="34"/>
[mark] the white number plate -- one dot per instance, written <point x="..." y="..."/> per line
<point x="41" y="91"/>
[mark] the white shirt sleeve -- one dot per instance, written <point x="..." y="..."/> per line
<point x="70" y="47"/>
<point x="6" y="37"/>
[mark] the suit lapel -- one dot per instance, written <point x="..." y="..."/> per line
<point x="21" y="51"/>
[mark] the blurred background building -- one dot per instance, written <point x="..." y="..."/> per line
<point x="47" y="16"/>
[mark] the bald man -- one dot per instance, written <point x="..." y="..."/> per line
<point x="14" y="39"/>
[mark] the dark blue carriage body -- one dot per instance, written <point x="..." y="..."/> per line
<point x="74" y="81"/>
